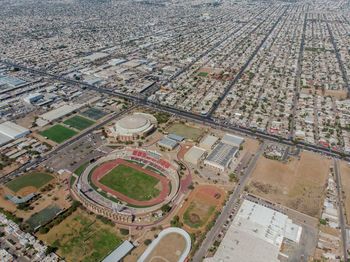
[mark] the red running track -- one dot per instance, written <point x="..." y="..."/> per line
<point x="105" y="168"/>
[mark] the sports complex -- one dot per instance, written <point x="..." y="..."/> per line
<point x="128" y="186"/>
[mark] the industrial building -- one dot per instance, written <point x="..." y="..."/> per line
<point x="32" y="98"/>
<point x="167" y="143"/>
<point x="232" y="140"/>
<point x="194" y="155"/>
<point x="256" y="234"/>
<point x="57" y="113"/>
<point x="120" y="252"/>
<point x="221" y="156"/>
<point x="10" y="131"/>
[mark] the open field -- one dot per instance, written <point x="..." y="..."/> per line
<point x="43" y="217"/>
<point x="94" y="113"/>
<point x="298" y="184"/>
<point x="35" y="179"/>
<point x="58" y="133"/>
<point x="201" y="205"/>
<point x="169" y="248"/>
<point x="345" y="179"/>
<point x="82" y="237"/>
<point x="79" y="122"/>
<point x="185" y="131"/>
<point x="131" y="182"/>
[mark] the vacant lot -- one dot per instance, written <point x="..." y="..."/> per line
<point x="345" y="179"/>
<point x="82" y="237"/>
<point x="94" y="113"/>
<point x="131" y="183"/>
<point x="186" y="131"/>
<point x="79" y="122"/>
<point x="201" y="205"/>
<point x="58" y="133"/>
<point x="298" y="184"/>
<point x="35" y="179"/>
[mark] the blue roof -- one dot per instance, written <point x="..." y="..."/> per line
<point x="167" y="142"/>
<point x="176" y="137"/>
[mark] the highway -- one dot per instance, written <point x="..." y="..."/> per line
<point x="342" y="219"/>
<point x="227" y="209"/>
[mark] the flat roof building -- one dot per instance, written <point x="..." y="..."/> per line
<point x="208" y="142"/>
<point x="10" y="131"/>
<point x="232" y="140"/>
<point x="120" y="252"/>
<point x="167" y="143"/>
<point x="221" y="156"/>
<point x="176" y="137"/>
<point x="256" y="234"/>
<point x="194" y="155"/>
<point x="59" y="112"/>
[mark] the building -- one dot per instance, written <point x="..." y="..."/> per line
<point x="32" y="98"/>
<point x="256" y="234"/>
<point x="167" y="143"/>
<point x="132" y="127"/>
<point x="208" y="142"/>
<point x="57" y="113"/>
<point x="10" y="131"/>
<point x="120" y="252"/>
<point x="232" y="140"/>
<point x="194" y="155"/>
<point x="176" y="137"/>
<point x="221" y="156"/>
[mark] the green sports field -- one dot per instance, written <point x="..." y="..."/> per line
<point x="35" y="179"/>
<point x="79" y="122"/>
<point x="131" y="182"/>
<point x="58" y="133"/>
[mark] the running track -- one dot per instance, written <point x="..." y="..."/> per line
<point x="105" y="168"/>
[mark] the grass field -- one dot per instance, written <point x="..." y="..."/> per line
<point x="131" y="182"/>
<point x="58" y="133"/>
<point x="35" y="179"/>
<point x="94" y="113"/>
<point x="43" y="217"/>
<point x="202" y="74"/>
<point x="82" y="237"/>
<point x="185" y="131"/>
<point x="79" y="122"/>
<point x="81" y="169"/>
<point x="197" y="215"/>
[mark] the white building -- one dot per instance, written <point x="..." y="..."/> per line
<point x="208" y="142"/>
<point x="10" y="131"/>
<point x="221" y="156"/>
<point x="32" y="98"/>
<point x="256" y="234"/>
<point x="194" y="155"/>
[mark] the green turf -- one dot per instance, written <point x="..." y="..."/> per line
<point x="131" y="183"/>
<point x="42" y="217"/>
<point x="202" y="219"/>
<point x="79" y="122"/>
<point x="185" y="131"/>
<point x="94" y="113"/>
<point x="35" y="179"/>
<point x="203" y="74"/>
<point x="58" y="133"/>
<point x="81" y="169"/>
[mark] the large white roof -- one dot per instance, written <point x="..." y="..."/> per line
<point x="13" y="130"/>
<point x="136" y="123"/>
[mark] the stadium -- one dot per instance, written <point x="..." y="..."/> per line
<point x="128" y="186"/>
<point x="132" y="127"/>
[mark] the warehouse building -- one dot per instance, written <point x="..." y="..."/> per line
<point x="32" y="98"/>
<point x="57" y="113"/>
<point x="167" y="143"/>
<point x="221" y="156"/>
<point x="232" y="140"/>
<point x="194" y="155"/>
<point x="208" y="142"/>
<point x="10" y="131"/>
<point x="257" y="234"/>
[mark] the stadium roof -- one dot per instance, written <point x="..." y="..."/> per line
<point x="232" y="140"/>
<point x="119" y="252"/>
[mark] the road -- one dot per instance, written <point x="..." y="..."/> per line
<point x="227" y="209"/>
<point x="342" y="218"/>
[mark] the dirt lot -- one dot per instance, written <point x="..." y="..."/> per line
<point x="200" y="207"/>
<point x="169" y="248"/>
<point x="345" y="179"/>
<point x="298" y="184"/>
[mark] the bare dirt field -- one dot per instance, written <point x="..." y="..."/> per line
<point x="345" y="179"/>
<point x="169" y="248"/>
<point x="298" y="184"/>
<point x="200" y="207"/>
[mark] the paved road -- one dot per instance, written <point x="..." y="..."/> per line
<point x="227" y="209"/>
<point x="342" y="220"/>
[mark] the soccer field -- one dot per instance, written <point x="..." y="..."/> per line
<point x="131" y="183"/>
<point x="36" y="180"/>
<point x="79" y="122"/>
<point x="58" y="133"/>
